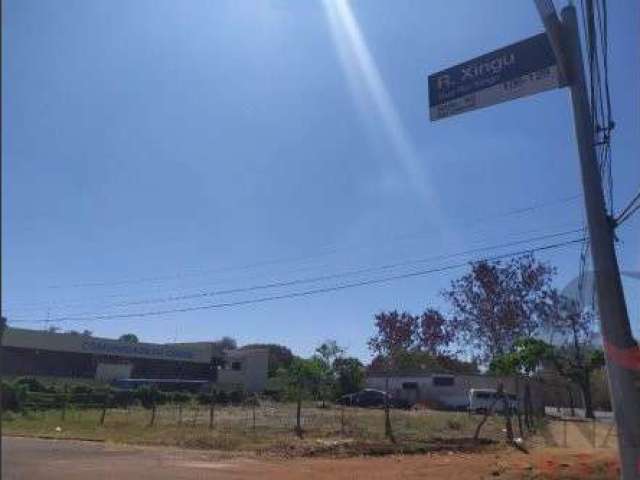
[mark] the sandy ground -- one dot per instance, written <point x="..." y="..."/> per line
<point x="568" y="451"/>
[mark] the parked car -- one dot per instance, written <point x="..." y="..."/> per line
<point x="372" y="398"/>
<point x="481" y="400"/>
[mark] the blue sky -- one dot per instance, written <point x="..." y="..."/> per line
<point x="154" y="149"/>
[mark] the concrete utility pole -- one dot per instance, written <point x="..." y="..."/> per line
<point x="620" y="347"/>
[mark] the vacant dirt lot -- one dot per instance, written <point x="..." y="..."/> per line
<point x="69" y="460"/>
<point x="351" y="431"/>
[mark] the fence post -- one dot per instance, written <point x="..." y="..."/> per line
<point x="253" y="406"/>
<point x="195" y="415"/>
<point x="64" y="403"/>
<point x="104" y="408"/>
<point x="212" y="403"/>
<point x="153" y="409"/>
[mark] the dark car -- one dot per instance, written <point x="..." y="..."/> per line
<point x="372" y="398"/>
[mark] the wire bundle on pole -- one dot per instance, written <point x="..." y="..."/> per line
<point x="594" y="16"/>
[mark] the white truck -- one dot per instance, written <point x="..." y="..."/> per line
<point x="482" y="399"/>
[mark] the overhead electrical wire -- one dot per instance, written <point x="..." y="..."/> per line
<point x="334" y="276"/>
<point x="304" y="293"/>
<point x="629" y="210"/>
<point x="330" y="251"/>
<point x="620" y="220"/>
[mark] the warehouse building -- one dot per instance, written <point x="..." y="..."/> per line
<point x="71" y="355"/>
<point x="451" y="390"/>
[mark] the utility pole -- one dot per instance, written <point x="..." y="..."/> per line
<point x="621" y="349"/>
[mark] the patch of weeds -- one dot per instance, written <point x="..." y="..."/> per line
<point x="454" y="424"/>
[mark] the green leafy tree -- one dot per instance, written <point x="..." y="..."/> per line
<point x="150" y="397"/>
<point x="329" y="352"/>
<point x="528" y="355"/>
<point x="576" y="355"/>
<point x="350" y="375"/>
<point x="301" y="380"/>
<point x="226" y="343"/>
<point x="129" y="338"/>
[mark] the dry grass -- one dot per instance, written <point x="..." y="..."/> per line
<point x="362" y="430"/>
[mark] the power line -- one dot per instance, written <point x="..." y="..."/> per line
<point x="349" y="273"/>
<point x="309" y="292"/>
<point x="330" y="251"/>
<point x="627" y="211"/>
<point x="629" y="214"/>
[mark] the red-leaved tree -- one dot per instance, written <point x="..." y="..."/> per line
<point x="498" y="303"/>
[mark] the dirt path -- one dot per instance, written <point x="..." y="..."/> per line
<point x="583" y="436"/>
<point x="71" y="460"/>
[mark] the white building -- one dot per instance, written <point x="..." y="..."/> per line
<point x="246" y="367"/>
<point x="451" y="391"/>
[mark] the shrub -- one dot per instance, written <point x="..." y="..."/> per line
<point x="123" y="398"/>
<point x="32" y="384"/>
<point x="180" y="397"/>
<point x="203" y="398"/>
<point x="13" y="396"/>
<point x="237" y="397"/>
<point x="222" y="398"/>
<point x="454" y="424"/>
<point x="8" y="416"/>
<point x="81" y="389"/>
<point x="150" y="396"/>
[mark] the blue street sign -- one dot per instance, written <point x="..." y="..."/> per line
<point x="518" y="70"/>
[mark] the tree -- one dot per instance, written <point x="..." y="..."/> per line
<point x="434" y="334"/>
<point x="279" y="356"/>
<point x="575" y="355"/>
<point x="350" y="375"/>
<point x="416" y="361"/>
<point x="527" y="356"/>
<point x="3" y="326"/>
<point x="498" y="302"/>
<point x="129" y="338"/>
<point x="302" y="379"/>
<point x="330" y="351"/>
<point x="395" y="334"/>
<point x="226" y="343"/>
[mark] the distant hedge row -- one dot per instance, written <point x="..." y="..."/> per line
<point x="31" y="394"/>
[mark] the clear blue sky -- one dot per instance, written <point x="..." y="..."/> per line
<point x="159" y="148"/>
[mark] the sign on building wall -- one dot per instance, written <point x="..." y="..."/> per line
<point x="64" y="342"/>
<point x="515" y="71"/>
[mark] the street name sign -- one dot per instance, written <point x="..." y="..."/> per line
<point x="515" y="71"/>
